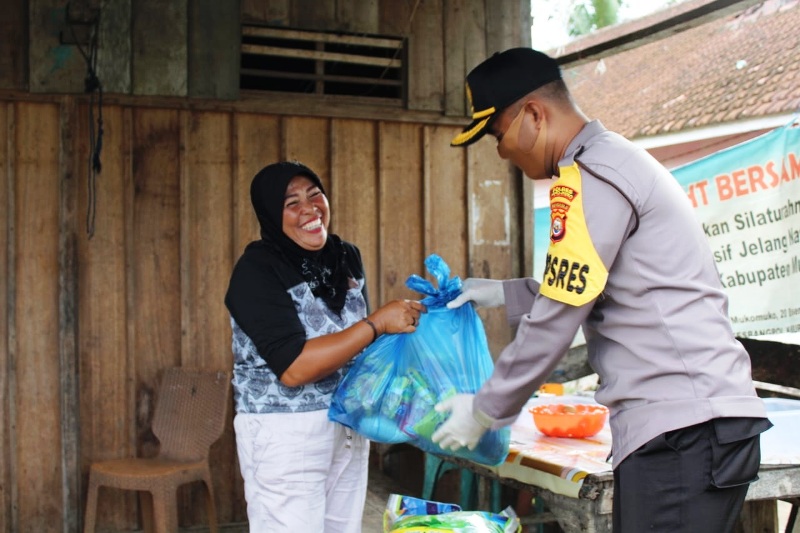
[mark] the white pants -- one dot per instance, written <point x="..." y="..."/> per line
<point x="302" y="473"/>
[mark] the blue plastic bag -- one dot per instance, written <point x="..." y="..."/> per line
<point x="389" y="393"/>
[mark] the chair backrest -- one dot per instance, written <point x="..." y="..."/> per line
<point x="190" y="412"/>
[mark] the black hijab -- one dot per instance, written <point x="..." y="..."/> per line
<point x="324" y="270"/>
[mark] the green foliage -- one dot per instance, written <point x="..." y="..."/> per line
<point x="591" y="15"/>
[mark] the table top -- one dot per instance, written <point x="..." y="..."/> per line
<point x="557" y="464"/>
<point x="562" y="464"/>
<point x="569" y="458"/>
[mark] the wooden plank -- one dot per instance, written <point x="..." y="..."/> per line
<point x="465" y="42"/>
<point x="780" y="389"/>
<point x="37" y="435"/>
<point x="159" y="40"/>
<point x="319" y="78"/>
<point x="446" y="199"/>
<point x="114" y="49"/>
<point x="256" y="141"/>
<point x="400" y="208"/>
<point x="275" y="12"/>
<point x="319" y="55"/>
<point x="759" y="515"/>
<point x="320" y="37"/>
<point x="775" y="481"/>
<point x="257" y="144"/>
<point x="774" y="362"/>
<point x="69" y="370"/>
<point x="475" y="47"/>
<point x="7" y="453"/>
<point x="308" y="140"/>
<point x="152" y="200"/>
<point x="107" y="414"/>
<point x="214" y="29"/>
<point x="454" y="24"/>
<point x="354" y="193"/>
<point x="393" y="17"/>
<point x="792" y="518"/>
<point x="508" y="25"/>
<point x="357" y="17"/>
<point x="14" y="30"/>
<point x="527" y="228"/>
<point x="206" y="217"/>
<point x="425" y="68"/>
<point x="283" y="104"/>
<point x="313" y="14"/>
<point x="489" y="225"/>
<point x="54" y="67"/>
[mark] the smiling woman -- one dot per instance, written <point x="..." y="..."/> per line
<point x="306" y="213"/>
<point x="298" y="304"/>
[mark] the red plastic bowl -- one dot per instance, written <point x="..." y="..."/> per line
<point x="569" y="420"/>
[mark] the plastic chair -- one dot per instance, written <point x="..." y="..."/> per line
<point x="190" y="413"/>
<point x="435" y="468"/>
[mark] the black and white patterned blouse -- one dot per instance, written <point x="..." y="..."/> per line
<point x="273" y="312"/>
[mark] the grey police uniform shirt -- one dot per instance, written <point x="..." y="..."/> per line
<point x="657" y="334"/>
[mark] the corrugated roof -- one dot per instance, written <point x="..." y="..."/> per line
<point x="739" y="67"/>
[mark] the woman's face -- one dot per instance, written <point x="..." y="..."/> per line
<point x="306" y="214"/>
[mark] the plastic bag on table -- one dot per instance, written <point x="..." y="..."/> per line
<point x="390" y="392"/>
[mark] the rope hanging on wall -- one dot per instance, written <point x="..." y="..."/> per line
<point x="94" y="88"/>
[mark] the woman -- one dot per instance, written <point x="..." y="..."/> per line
<point x="298" y="304"/>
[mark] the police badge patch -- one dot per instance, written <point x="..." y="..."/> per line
<point x="561" y="198"/>
<point x="574" y="273"/>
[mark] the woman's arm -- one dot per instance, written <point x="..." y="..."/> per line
<point x="323" y="355"/>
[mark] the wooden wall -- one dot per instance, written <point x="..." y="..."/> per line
<point x="87" y="325"/>
<point x="182" y="48"/>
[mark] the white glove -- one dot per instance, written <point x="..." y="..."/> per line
<point x="461" y="429"/>
<point x="484" y="292"/>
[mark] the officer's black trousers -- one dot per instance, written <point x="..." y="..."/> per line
<point x="691" y="480"/>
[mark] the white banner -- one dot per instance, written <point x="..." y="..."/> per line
<point x="747" y="198"/>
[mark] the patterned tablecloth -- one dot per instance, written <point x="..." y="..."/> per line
<point x="561" y="464"/>
<point x="556" y="464"/>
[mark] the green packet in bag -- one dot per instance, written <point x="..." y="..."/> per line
<point x="406" y="514"/>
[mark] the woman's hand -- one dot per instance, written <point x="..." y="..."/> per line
<point x="398" y="316"/>
<point x="326" y="353"/>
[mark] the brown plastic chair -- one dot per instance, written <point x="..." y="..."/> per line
<point x="190" y="416"/>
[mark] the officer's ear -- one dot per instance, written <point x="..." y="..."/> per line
<point x="536" y="111"/>
<point x="533" y="115"/>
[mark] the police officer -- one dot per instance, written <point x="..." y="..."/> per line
<point x="628" y="261"/>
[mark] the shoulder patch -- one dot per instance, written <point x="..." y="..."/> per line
<point x="574" y="273"/>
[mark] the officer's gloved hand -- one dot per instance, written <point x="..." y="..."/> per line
<point x="484" y="292"/>
<point x="462" y="429"/>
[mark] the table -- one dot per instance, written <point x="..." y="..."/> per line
<point x="574" y="479"/>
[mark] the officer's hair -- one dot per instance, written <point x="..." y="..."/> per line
<point x="556" y="92"/>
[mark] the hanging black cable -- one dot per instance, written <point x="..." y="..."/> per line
<point x="92" y="85"/>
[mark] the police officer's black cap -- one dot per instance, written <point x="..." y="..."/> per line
<point x="500" y="81"/>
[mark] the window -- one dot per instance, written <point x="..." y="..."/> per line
<point x="299" y="61"/>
